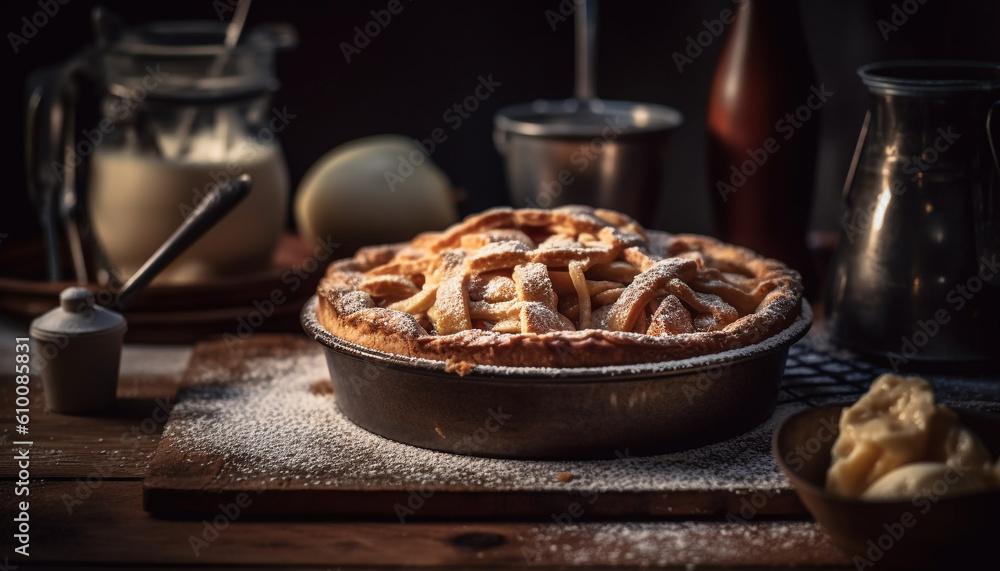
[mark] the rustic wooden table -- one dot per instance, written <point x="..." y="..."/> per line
<point x="85" y="509"/>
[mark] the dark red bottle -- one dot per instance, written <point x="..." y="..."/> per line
<point x="763" y="126"/>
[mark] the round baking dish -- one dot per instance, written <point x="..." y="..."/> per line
<point x="570" y="413"/>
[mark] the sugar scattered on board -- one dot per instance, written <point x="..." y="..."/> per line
<point x="271" y="419"/>
<point x="274" y="420"/>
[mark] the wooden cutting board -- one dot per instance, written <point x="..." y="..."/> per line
<point x="257" y="426"/>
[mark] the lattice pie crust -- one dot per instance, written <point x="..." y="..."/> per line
<point x="570" y="287"/>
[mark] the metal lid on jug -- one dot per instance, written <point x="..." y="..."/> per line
<point x="926" y="77"/>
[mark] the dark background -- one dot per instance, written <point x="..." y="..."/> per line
<point x="430" y="55"/>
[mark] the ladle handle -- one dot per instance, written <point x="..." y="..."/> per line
<point x="209" y="211"/>
<point x="586" y="50"/>
<point x="853" y="170"/>
<point x="233" y="31"/>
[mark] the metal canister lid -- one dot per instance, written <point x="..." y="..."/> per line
<point x="77" y="316"/>
<point x="572" y="118"/>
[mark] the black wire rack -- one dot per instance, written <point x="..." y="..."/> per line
<point x="814" y="374"/>
<point x="817" y="371"/>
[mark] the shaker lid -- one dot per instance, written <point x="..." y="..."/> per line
<point x="77" y="316"/>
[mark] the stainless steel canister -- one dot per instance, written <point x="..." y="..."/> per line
<point x="609" y="154"/>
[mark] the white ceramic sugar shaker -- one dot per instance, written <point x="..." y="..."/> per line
<point x="82" y="345"/>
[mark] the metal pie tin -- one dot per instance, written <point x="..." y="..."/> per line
<point x="569" y="413"/>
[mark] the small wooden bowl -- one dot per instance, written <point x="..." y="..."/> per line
<point x="933" y="531"/>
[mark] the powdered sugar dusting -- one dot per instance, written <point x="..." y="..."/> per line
<point x="474" y="338"/>
<point x="265" y="422"/>
<point x="269" y="424"/>
<point x="351" y="302"/>
<point x="680" y="543"/>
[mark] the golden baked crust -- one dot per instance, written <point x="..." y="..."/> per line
<point x="569" y="287"/>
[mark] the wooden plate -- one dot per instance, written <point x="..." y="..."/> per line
<point x="168" y="313"/>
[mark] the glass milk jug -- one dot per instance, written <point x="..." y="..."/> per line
<point x="179" y="114"/>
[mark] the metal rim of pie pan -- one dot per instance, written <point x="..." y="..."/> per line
<point x="545" y="413"/>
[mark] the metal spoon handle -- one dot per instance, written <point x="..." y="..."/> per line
<point x="233" y="31"/>
<point x="586" y="50"/>
<point x="210" y="210"/>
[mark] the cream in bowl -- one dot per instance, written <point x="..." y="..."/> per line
<point x="895" y="443"/>
<point x="895" y="479"/>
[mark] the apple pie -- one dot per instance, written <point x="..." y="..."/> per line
<point x="569" y="287"/>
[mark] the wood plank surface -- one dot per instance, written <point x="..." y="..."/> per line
<point x="119" y="444"/>
<point x="98" y="522"/>
<point x="185" y="480"/>
<point x="108" y="527"/>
